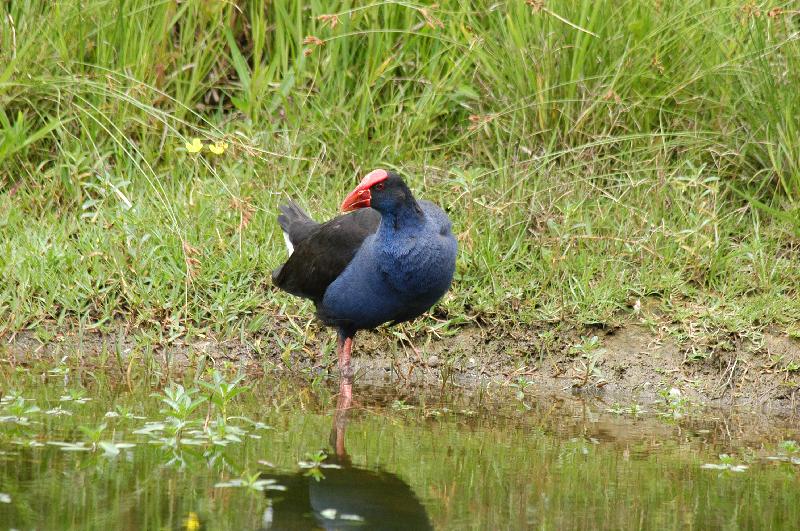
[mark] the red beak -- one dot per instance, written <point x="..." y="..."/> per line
<point x="356" y="199"/>
<point x="361" y="196"/>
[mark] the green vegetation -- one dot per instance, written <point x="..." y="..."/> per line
<point x="602" y="161"/>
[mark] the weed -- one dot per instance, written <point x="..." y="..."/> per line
<point x="634" y="410"/>
<point x="587" y="369"/>
<point x="222" y="391"/>
<point x="314" y="463"/>
<point x="727" y="463"/>
<point x="787" y="451"/>
<point x="675" y="404"/>
<point x="400" y="405"/>
<point x="181" y="402"/>
<point x="252" y="482"/>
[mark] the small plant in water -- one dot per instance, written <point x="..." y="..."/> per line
<point x="17" y="411"/>
<point x="788" y="451"/>
<point x="124" y="412"/>
<point x="222" y="392"/>
<point x="58" y="412"/>
<point x="77" y="396"/>
<point x="222" y="433"/>
<point x="181" y="402"/>
<point x="400" y="405"/>
<point x="252" y="482"/>
<point x="112" y="449"/>
<point x="12" y="396"/>
<point x="521" y="384"/>
<point x="333" y="514"/>
<point x="726" y="463"/>
<point x="790" y="447"/>
<point x="676" y="406"/>
<point x="93" y="434"/>
<point x="79" y="446"/>
<point x="314" y="462"/>
<point x="633" y="410"/>
<point x="617" y="409"/>
<point x="60" y="370"/>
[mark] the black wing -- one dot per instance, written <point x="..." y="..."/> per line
<point x="321" y="256"/>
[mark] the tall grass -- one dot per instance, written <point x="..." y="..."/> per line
<point x="589" y="151"/>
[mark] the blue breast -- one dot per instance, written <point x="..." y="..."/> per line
<point x="398" y="273"/>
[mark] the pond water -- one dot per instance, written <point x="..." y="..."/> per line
<point x="290" y="455"/>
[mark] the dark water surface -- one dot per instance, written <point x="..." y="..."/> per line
<point x="281" y="455"/>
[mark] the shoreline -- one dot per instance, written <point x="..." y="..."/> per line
<point x="621" y="367"/>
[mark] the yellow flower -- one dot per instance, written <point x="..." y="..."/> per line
<point x="195" y="146"/>
<point x="191" y="522"/>
<point x="218" y="148"/>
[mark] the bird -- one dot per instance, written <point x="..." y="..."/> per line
<point x="387" y="259"/>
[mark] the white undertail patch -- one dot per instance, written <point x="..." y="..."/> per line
<point x="289" y="246"/>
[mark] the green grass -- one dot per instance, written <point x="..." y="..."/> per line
<point x="591" y="154"/>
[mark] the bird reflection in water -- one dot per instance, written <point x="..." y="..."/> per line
<point x="347" y="497"/>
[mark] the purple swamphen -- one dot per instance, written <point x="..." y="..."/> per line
<point x="389" y="261"/>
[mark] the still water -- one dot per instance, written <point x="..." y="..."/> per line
<point x="274" y="454"/>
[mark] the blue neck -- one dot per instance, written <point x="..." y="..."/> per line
<point x="402" y="218"/>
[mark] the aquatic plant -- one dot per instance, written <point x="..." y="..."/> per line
<point x="251" y="481"/>
<point x="182" y="402"/>
<point x="727" y="463"/>
<point x="223" y="391"/>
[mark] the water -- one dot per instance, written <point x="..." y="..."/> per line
<point x="282" y="455"/>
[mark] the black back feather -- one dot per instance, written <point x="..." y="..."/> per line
<point x="322" y="251"/>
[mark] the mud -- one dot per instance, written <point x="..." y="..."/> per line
<point x="624" y="366"/>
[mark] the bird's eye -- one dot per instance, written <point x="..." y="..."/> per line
<point x="380" y="186"/>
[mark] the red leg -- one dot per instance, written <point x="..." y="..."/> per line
<point x="343" y="348"/>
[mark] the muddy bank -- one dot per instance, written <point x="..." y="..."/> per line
<point x="624" y="366"/>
